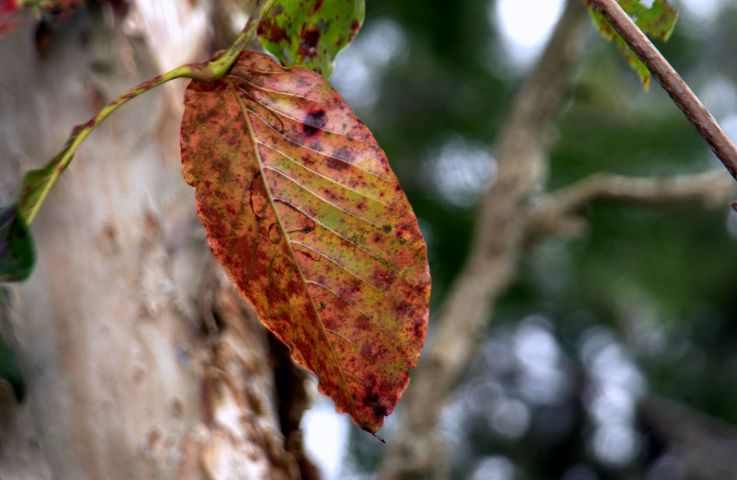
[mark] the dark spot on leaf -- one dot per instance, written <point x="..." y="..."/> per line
<point x="384" y="277"/>
<point x="419" y="328"/>
<point x="344" y="153"/>
<point x="373" y="402"/>
<point x="308" y="40"/>
<point x="270" y="30"/>
<point x="314" y="121"/>
<point x="387" y="228"/>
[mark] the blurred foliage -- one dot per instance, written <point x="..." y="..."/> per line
<point x="17" y="253"/>
<point x="9" y="371"/>
<point x="657" y="285"/>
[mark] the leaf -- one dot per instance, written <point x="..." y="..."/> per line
<point x="9" y="369"/>
<point x="38" y="5"/>
<point x="10" y="10"/>
<point x="302" y="209"/>
<point x="8" y="15"/>
<point x="17" y="254"/>
<point x="310" y="33"/>
<point x="36" y="186"/>
<point x="657" y="22"/>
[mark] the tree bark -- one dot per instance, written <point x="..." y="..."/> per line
<point x="140" y="360"/>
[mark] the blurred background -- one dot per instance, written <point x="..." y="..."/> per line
<point x="613" y="355"/>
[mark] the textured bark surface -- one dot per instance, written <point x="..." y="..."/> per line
<point x="123" y="380"/>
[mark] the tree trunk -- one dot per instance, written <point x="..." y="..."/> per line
<point x="140" y="360"/>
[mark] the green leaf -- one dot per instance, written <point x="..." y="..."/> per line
<point x="9" y="368"/>
<point x="36" y="186"/>
<point x="302" y="209"/>
<point x="17" y="254"/>
<point x="310" y="33"/>
<point x="657" y="22"/>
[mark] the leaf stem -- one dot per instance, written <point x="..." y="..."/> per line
<point x="38" y="183"/>
<point x="672" y="82"/>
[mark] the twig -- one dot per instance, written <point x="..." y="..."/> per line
<point x="521" y="155"/>
<point x="38" y="183"/>
<point x="559" y="211"/>
<point x="679" y="91"/>
<point x="705" y="445"/>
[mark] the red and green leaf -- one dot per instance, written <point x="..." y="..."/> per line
<point x="656" y="21"/>
<point x="310" y="33"/>
<point x="302" y="209"/>
<point x="10" y="10"/>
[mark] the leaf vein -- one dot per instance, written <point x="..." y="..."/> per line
<point x="268" y="125"/>
<point x="342" y="185"/>
<point x="389" y="335"/>
<point x="324" y="200"/>
<point x="332" y="260"/>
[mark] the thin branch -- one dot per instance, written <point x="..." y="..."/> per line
<point x="560" y="211"/>
<point x="38" y="183"/>
<point x="706" y="446"/>
<point x="679" y="91"/>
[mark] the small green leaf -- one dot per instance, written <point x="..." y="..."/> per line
<point x="47" y="4"/>
<point x="17" y="254"/>
<point x="310" y="33"/>
<point x="9" y="369"/>
<point x="657" y="22"/>
<point x="37" y="184"/>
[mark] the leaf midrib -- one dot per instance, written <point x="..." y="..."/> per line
<point x="298" y="268"/>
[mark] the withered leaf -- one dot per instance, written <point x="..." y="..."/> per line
<point x="302" y="209"/>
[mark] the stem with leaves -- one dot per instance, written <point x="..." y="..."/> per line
<point x="38" y="183"/>
<point x="672" y="82"/>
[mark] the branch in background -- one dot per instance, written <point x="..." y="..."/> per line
<point x="559" y="212"/>
<point x="521" y="154"/>
<point x="706" y="446"/>
<point x="679" y="91"/>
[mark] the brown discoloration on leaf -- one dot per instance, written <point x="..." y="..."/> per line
<point x="302" y="209"/>
<point x="311" y="32"/>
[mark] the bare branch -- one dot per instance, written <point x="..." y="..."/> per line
<point x="705" y="445"/>
<point x="559" y="212"/>
<point x="672" y="82"/>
